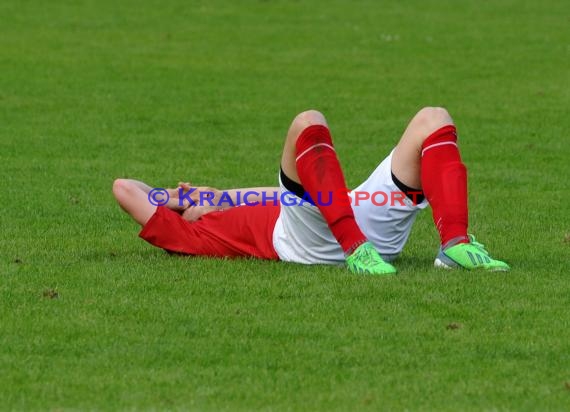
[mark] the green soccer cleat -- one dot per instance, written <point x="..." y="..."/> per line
<point x="469" y="256"/>
<point x="366" y="260"/>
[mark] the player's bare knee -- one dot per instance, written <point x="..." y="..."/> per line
<point x="304" y="120"/>
<point x="310" y="117"/>
<point x="433" y="117"/>
<point x="429" y="119"/>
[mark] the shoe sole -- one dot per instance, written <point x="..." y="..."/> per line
<point x="441" y="265"/>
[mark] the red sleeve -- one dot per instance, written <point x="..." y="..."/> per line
<point x="235" y="232"/>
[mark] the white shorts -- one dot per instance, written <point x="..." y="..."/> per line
<point x="302" y="235"/>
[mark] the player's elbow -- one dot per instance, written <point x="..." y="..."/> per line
<point x="120" y="186"/>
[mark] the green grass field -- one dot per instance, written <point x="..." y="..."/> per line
<point x="93" y="318"/>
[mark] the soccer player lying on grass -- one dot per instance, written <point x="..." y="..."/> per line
<point x="424" y="167"/>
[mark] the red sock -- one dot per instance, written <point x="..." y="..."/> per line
<point x="319" y="171"/>
<point x="444" y="182"/>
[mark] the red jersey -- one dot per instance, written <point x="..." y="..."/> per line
<point x="235" y="232"/>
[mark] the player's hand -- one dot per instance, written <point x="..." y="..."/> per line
<point x="175" y="193"/>
<point x="206" y="198"/>
<point x="173" y="203"/>
<point x="194" y="213"/>
<point x="172" y="193"/>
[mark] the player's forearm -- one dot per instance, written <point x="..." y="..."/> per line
<point x="175" y="204"/>
<point x="172" y="203"/>
<point x="141" y="185"/>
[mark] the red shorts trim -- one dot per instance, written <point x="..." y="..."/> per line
<point x="240" y="231"/>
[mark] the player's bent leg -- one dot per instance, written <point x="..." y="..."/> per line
<point x="406" y="160"/>
<point x="428" y="157"/>
<point x="309" y="160"/>
<point x="133" y="200"/>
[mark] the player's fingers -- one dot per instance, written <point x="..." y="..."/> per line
<point x="197" y="194"/>
<point x="186" y="215"/>
<point x="193" y="213"/>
